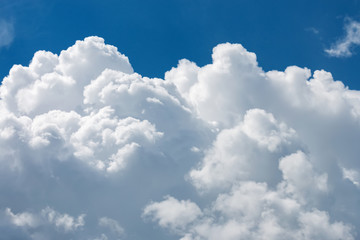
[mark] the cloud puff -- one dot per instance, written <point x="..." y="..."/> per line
<point x="172" y="213"/>
<point x="352" y="175"/>
<point x="252" y="211"/>
<point x="344" y="47"/>
<point x="24" y="219"/>
<point x="238" y="153"/>
<point x="48" y="218"/>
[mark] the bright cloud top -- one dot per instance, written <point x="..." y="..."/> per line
<point x="224" y="151"/>
<point x="344" y="47"/>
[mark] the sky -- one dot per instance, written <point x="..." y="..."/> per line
<point x="156" y="34"/>
<point x="187" y="120"/>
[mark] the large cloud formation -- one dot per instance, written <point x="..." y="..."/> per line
<point x="89" y="149"/>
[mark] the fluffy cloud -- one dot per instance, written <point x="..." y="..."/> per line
<point x="239" y="151"/>
<point x="57" y="82"/>
<point x="300" y="178"/>
<point x="279" y="135"/>
<point x="344" y="47"/>
<point x="24" y="219"/>
<point x="172" y="213"/>
<point x="252" y="211"/>
<point x="63" y="221"/>
<point x="256" y="155"/>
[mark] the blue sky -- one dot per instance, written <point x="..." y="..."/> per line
<point x="156" y="34"/>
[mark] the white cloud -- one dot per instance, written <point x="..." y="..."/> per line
<point x="344" y="47"/>
<point x="233" y="70"/>
<point x="107" y="143"/>
<point x="252" y="211"/>
<point x="63" y="221"/>
<point x="239" y="152"/>
<point x="265" y="130"/>
<point x="57" y="82"/>
<point x="47" y="216"/>
<point x="299" y="111"/>
<point x="99" y="139"/>
<point x="24" y="219"/>
<point x="352" y="175"/>
<point x="7" y="33"/>
<point x="315" y="225"/>
<point x="256" y="155"/>
<point x="172" y="213"/>
<point x="300" y="177"/>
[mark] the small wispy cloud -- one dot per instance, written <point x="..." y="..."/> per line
<point x="312" y="30"/>
<point x="344" y="47"/>
<point x="6" y="32"/>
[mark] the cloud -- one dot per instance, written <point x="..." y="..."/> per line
<point x="32" y="223"/>
<point x="238" y="151"/>
<point x="63" y="221"/>
<point x="172" y="213"/>
<point x="271" y="127"/>
<point x="352" y="175"/>
<point x="113" y="225"/>
<point x="24" y="219"/>
<point x="252" y="211"/>
<point x="344" y="47"/>
<point x="224" y="151"/>
<point x="7" y="33"/>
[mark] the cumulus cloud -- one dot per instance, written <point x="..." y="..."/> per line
<point x="252" y="211"/>
<point x="172" y="213"/>
<point x="344" y="47"/>
<point x="272" y="127"/>
<point x="300" y="178"/>
<point x="238" y="153"/>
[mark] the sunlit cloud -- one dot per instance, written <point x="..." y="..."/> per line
<point x="223" y="151"/>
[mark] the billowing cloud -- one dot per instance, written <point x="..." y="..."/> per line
<point x="239" y="152"/>
<point x="252" y="211"/>
<point x="344" y="47"/>
<point x="224" y="151"/>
